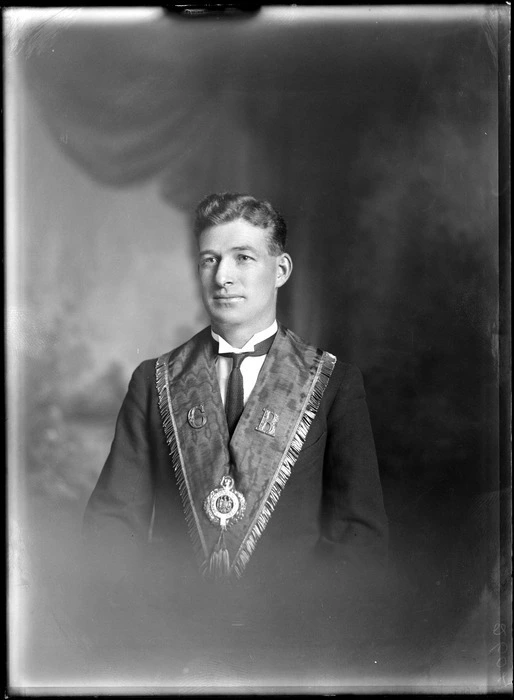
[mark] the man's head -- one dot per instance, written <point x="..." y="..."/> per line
<point x="241" y="263"/>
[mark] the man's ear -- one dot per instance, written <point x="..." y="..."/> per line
<point x="284" y="269"/>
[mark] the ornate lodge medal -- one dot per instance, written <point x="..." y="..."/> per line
<point x="224" y="504"/>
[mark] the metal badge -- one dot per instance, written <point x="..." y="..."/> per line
<point x="196" y="417"/>
<point x="268" y="422"/>
<point x="224" y="504"/>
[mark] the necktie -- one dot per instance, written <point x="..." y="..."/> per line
<point x="234" y="403"/>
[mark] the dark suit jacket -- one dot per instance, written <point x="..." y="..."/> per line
<point x="328" y="526"/>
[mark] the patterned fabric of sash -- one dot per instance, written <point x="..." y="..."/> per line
<point x="290" y="385"/>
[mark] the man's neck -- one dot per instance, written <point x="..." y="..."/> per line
<point x="237" y="337"/>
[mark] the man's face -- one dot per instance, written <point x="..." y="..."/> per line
<point x="239" y="277"/>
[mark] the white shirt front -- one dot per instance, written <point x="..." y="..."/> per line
<point x="250" y="367"/>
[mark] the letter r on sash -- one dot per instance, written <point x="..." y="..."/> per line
<point x="268" y="422"/>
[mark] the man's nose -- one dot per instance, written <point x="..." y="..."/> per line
<point x="224" y="273"/>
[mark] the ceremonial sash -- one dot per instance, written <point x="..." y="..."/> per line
<point x="264" y="446"/>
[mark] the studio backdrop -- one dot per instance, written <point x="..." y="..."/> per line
<point x="376" y="133"/>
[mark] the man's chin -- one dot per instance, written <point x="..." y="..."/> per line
<point x="227" y="317"/>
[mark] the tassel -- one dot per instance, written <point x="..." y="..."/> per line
<point x="219" y="563"/>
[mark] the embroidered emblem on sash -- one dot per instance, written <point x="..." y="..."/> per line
<point x="268" y="423"/>
<point x="196" y="417"/>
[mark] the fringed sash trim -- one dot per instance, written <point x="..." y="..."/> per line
<point x="171" y="434"/>
<point x="307" y="414"/>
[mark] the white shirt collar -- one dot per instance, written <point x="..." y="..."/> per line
<point x="250" y="345"/>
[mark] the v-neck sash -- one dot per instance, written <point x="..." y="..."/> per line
<point x="264" y="445"/>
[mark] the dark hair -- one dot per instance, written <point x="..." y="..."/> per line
<point x="223" y="208"/>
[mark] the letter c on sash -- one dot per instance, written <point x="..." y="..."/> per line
<point x="196" y="417"/>
<point x="268" y="422"/>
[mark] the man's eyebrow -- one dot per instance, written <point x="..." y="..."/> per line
<point x="207" y="252"/>
<point x="245" y="247"/>
<point x="236" y="248"/>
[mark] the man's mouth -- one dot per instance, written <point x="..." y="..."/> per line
<point x="227" y="297"/>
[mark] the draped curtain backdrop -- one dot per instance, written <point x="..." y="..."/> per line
<point x="375" y="132"/>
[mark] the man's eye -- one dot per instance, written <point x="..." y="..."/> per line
<point x="244" y="258"/>
<point x="205" y="262"/>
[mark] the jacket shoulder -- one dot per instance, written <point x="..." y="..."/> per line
<point x="148" y="366"/>
<point x="343" y="371"/>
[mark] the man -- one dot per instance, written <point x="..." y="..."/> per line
<point x="253" y="473"/>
